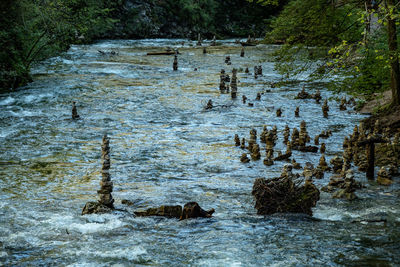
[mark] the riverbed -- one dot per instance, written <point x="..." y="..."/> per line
<point x="166" y="149"/>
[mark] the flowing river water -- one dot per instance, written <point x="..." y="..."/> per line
<point x="166" y="149"/>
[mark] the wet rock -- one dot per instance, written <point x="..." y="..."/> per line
<point x="308" y="171"/>
<point x="282" y="195"/>
<point x="318" y="173"/>
<point x="278" y="112"/>
<point x="247" y="71"/>
<point x="244" y="158"/>
<point x="237" y="140"/>
<point x="250" y="104"/>
<point x="193" y="210"/>
<point x="258" y="98"/>
<point x="127" y="202"/>
<point x="204" y="50"/>
<point x="244" y="98"/>
<point x="325" y="134"/>
<point x="75" y="115"/>
<point x="268" y="161"/>
<point x="242" y="52"/>
<point x="383" y="177"/>
<point x="312" y="149"/>
<point x="175" y="64"/>
<point x="92" y="207"/>
<point x="164" y="211"/>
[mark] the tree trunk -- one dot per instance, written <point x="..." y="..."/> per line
<point x="394" y="57"/>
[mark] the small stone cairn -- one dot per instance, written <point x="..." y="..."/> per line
<point x="175" y="64"/>
<point x="234" y="84"/>
<point x="325" y="108"/>
<point x="75" y="115"/>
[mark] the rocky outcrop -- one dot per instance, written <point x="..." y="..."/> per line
<point x="190" y="210"/>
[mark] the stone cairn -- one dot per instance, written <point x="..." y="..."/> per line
<point x="347" y="186"/>
<point x="175" y="64"/>
<point x="325" y="108"/>
<point x="258" y="97"/>
<point x="199" y="39"/>
<point x="304" y="138"/>
<point x="322" y="164"/>
<point x="263" y="134"/>
<point x="106" y="184"/>
<point x="255" y="152"/>
<point x="75" y="115"/>
<point x="269" y="144"/>
<point x="223" y="79"/>
<point x="106" y="201"/>
<point x="243" y="144"/>
<point x="237" y="140"/>
<point x="234" y="84"/>
<point x="316" y="140"/>
<point x="246" y="70"/>
<point x="244" y="158"/>
<point x="337" y="164"/>
<point x="279" y="112"/>
<point x="242" y="52"/>
<point x="322" y="148"/>
<point x="303" y="94"/>
<point x="317" y="96"/>
<point x="252" y="140"/>
<point x="343" y="104"/>
<point x="383" y="177"/>
<point x="244" y="99"/>
<point x="209" y="104"/>
<point x="204" y="50"/>
<point x="297" y="112"/>
<point x="228" y="60"/>
<point x="286" y="134"/>
<point x="213" y="41"/>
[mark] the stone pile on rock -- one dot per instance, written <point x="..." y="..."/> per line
<point x="286" y="134"/>
<point x="278" y="112"/>
<point x="283" y="194"/>
<point x="209" y="104"/>
<point x="322" y="164"/>
<point x="303" y="94"/>
<point x="347" y="187"/>
<point x="106" y="201"/>
<point x="244" y="158"/>
<point x="228" y="60"/>
<point x="237" y="140"/>
<point x="317" y="96"/>
<point x="234" y="84"/>
<point x="383" y="177"/>
<point x="337" y="164"/>
<point x="242" y="52"/>
<point x="343" y="104"/>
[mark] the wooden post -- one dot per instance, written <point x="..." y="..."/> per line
<point x="369" y="145"/>
<point x="370" y="153"/>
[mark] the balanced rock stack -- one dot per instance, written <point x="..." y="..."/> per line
<point x="317" y="96"/>
<point x="234" y="84"/>
<point x="222" y="86"/>
<point x="242" y="52"/>
<point x="337" y="164"/>
<point x="228" y="60"/>
<point x="286" y="134"/>
<point x="325" y="109"/>
<point x="383" y="177"/>
<point x="106" y="184"/>
<point x="343" y="104"/>
<point x="75" y="115"/>
<point x="303" y="94"/>
<point x="106" y="202"/>
<point x="303" y="135"/>
<point x="237" y="140"/>
<point x="175" y="64"/>
<point x="297" y="112"/>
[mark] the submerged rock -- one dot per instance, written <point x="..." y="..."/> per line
<point x="193" y="210"/>
<point x="190" y="210"/>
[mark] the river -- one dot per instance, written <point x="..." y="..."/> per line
<point x="166" y="149"/>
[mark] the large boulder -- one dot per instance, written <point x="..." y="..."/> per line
<point x="92" y="207"/>
<point x="282" y="195"/>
